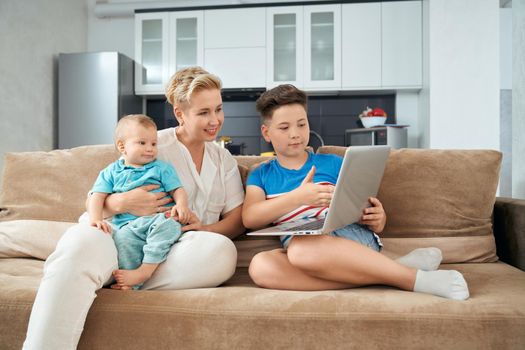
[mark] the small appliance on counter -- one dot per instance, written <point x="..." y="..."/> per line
<point x="392" y="135"/>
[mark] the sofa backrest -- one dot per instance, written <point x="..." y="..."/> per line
<point x="441" y="198"/>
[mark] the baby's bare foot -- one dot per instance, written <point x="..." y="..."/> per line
<point x="127" y="278"/>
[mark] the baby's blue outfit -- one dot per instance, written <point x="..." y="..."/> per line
<point x="146" y="239"/>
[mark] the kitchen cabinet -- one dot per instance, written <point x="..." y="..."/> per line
<point x="151" y="51"/>
<point x="234" y="28"/>
<point x="237" y="67"/>
<point x="186" y="40"/>
<point x="401" y="44"/>
<point x="164" y="43"/>
<point x="350" y="46"/>
<point x="235" y="46"/>
<point x="382" y="45"/>
<point x="322" y="47"/>
<point x="284" y="48"/>
<point x="304" y="46"/>
<point x="361" y="46"/>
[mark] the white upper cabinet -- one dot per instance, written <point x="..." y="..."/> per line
<point x="234" y="28"/>
<point x="401" y="44"/>
<point x="165" y="42"/>
<point x="350" y="46"/>
<point x="304" y="46"/>
<point x="284" y="48"/>
<point x="186" y="40"/>
<point x="235" y="46"/>
<point x="322" y="47"/>
<point x="361" y="46"/>
<point x="151" y="52"/>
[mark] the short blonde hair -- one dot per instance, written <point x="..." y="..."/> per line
<point x="187" y="81"/>
<point x="125" y="121"/>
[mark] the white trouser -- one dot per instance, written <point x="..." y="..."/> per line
<point x="83" y="262"/>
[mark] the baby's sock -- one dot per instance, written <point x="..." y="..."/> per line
<point x="426" y="259"/>
<point x="444" y="283"/>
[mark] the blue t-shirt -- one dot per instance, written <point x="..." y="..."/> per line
<point x="119" y="178"/>
<point x="275" y="180"/>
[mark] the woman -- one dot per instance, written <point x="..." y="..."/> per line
<point x="85" y="257"/>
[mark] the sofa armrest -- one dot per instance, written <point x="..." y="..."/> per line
<point x="509" y="230"/>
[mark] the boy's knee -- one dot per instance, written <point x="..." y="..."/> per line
<point x="302" y="252"/>
<point x="261" y="270"/>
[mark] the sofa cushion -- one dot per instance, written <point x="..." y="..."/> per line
<point x="51" y="185"/>
<point x="440" y="198"/>
<point x="241" y="316"/>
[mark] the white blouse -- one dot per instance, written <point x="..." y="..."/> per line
<point x="217" y="189"/>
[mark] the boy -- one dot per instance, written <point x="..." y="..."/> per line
<point x="142" y="242"/>
<point x="298" y="184"/>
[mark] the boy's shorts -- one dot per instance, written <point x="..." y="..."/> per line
<point x="355" y="232"/>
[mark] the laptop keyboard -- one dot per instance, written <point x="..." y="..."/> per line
<point x="312" y="225"/>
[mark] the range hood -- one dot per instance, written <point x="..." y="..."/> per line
<point x="242" y="94"/>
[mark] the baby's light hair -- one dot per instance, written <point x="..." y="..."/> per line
<point x="124" y="122"/>
<point x="187" y="81"/>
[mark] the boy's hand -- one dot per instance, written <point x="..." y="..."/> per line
<point x="312" y="194"/>
<point x="374" y="217"/>
<point x="181" y="213"/>
<point x="102" y="225"/>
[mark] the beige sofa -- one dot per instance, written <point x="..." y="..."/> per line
<point x="433" y="198"/>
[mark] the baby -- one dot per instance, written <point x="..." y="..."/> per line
<point x="142" y="242"/>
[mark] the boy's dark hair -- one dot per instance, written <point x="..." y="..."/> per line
<point x="279" y="96"/>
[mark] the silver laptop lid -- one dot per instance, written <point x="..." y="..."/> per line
<point x="359" y="179"/>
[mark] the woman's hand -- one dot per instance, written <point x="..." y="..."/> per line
<point x="374" y="217"/>
<point x="139" y="201"/>
<point x="313" y="194"/>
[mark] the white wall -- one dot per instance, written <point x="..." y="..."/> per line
<point x="518" y="99"/>
<point x="110" y="34"/>
<point x="505" y="52"/>
<point x="463" y="74"/>
<point x="33" y="33"/>
<point x="407" y="113"/>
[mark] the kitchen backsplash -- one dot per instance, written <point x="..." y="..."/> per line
<point x="329" y="116"/>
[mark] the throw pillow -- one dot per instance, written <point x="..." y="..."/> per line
<point x="30" y="238"/>
<point x="51" y="185"/>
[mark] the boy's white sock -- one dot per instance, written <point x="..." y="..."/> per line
<point x="444" y="283"/>
<point x="426" y="259"/>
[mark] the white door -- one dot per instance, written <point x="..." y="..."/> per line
<point x="322" y="40"/>
<point x="284" y="46"/>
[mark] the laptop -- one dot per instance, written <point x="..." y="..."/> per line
<point x="359" y="179"/>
